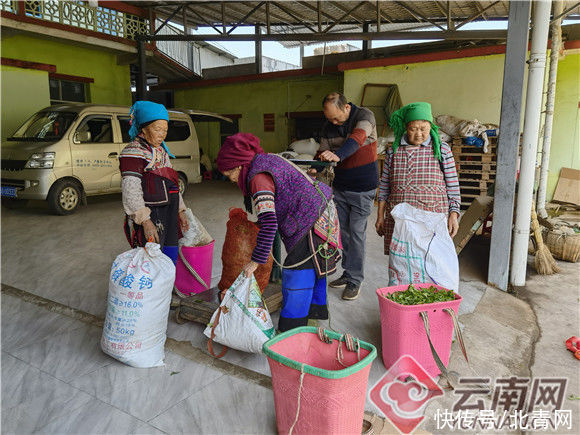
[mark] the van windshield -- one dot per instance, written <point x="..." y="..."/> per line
<point x="45" y="126"/>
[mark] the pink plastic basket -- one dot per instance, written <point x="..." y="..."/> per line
<point x="199" y="259"/>
<point x="332" y="397"/>
<point x="403" y="331"/>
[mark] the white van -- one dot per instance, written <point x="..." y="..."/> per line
<point x="66" y="152"/>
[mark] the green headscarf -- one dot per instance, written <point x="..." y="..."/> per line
<point x="414" y="112"/>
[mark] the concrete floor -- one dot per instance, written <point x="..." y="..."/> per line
<point x="55" y="379"/>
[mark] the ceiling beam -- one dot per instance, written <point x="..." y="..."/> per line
<point x="418" y="16"/>
<point x="478" y="7"/>
<point x="211" y="14"/>
<point x="381" y="12"/>
<point x="343" y="9"/>
<point x="474" y="16"/>
<point x="441" y="8"/>
<point x="169" y="18"/>
<point x="223" y="8"/>
<point x="258" y="6"/>
<point x="318" y="15"/>
<point x="450" y="23"/>
<point x="295" y="16"/>
<point x="282" y="20"/>
<point x="566" y="12"/>
<point x="268" y="18"/>
<point x="359" y="36"/>
<point x="202" y="18"/>
<point x="346" y="14"/>
<point x="318" y="10"/>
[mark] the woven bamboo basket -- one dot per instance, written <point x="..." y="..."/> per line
<point x="563" y="246"/>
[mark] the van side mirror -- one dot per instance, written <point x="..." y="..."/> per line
<point x="82" y="137"/>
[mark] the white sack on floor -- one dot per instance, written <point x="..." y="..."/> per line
<point x="140" y="286"/>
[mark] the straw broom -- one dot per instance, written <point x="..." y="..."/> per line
<point x="544" y="262"/>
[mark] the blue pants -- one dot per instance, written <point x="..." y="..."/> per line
<point x="172" y="252"/>
<point x="304" y="297"/>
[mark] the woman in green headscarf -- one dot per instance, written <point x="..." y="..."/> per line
<point x="419" y="169"/>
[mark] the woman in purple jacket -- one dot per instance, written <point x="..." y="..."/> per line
<point x="301" y="210"/>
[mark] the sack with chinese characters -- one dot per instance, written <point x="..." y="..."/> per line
<point x="421" y="249"/>
<point x="140" y="288"/>
<point x="242" y="321"/>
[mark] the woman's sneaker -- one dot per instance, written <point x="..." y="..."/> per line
<point x="351" y="292"/>
<point x="339" y="283"/>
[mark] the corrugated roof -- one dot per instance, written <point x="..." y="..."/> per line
<point x="333" y="17"/>
<point x="202" y="13"/>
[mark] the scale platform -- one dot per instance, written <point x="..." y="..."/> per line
<point x="316" y="164"/>
<point x="200" y="307"/>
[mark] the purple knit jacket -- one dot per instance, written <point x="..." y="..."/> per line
<point x="298" y="203"/>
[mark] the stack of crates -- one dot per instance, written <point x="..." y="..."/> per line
<point x="476" y="170"/>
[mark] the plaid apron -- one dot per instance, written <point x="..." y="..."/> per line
<point x="416" y="178"/>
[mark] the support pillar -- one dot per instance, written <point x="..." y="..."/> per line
<point x="366" y="44"/>
<point x="536" y="70"/>
<point x="258" y="51"/>
<point x="507" y="149"/>
<point x="142" y="73"/>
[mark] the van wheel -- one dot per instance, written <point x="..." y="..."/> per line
<point x="64" y="197"/>
<point x="14" y="203"/>
<point x="182" y="183"/>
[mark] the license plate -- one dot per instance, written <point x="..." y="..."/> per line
<point x="9" y="192"/>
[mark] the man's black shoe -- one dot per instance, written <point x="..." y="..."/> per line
<point x="339" y="283"/>
<point x="351" y="292"/>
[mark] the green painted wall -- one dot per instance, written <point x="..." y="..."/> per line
<point x="565" y="149"/>
<point x="252" y="100"/>
<point x="112" y="81"/>
<point x="24" y="91"/>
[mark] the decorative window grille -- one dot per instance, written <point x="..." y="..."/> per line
<point x="80" y="14"/>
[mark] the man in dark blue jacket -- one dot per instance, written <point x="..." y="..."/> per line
<point x="349" y="137"/>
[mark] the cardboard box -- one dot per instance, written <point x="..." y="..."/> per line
<point x="568" y="187"/>
<point x="471" y="220"/>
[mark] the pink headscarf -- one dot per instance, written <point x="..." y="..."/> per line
<point x="239" y="150"/>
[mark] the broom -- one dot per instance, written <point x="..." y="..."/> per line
<point x="544" y="262"/>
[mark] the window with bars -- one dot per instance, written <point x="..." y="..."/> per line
<point x="67" y="91"/>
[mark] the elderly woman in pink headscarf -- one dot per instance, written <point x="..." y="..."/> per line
<point x="301" y="209"/>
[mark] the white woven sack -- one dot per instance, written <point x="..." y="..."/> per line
<point x="305" y="146"/>
<point x="140" y="286"/>
<point x="244" y="321"/>
<point x="196" y="235"/>
<point x="421" y="249"/>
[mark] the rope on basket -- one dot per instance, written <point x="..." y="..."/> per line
<point x="302" y="373"/>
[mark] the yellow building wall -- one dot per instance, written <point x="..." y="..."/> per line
<point x="24" y="91"/>
<point x="468" y="88"/>
<point x="208" y="135"/>
<point x="471" y="88"/>
<point x="112" y="82"/>
<point x="565" y="149"/>
<point x="254" y="99"/>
